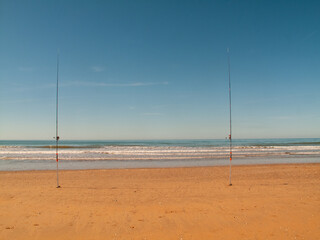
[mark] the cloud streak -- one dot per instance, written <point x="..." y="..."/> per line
<point x="152" y="114"/>
<point x="310" y="35"/>
<point x="25" y="69"/>
<point x="102" y="84"/>
<point x="22" y="88"/>
<point x="97" y="69"/>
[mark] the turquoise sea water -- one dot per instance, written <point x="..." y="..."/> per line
<point x="36" y="155"/>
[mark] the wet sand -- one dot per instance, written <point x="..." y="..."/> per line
<point x="265" y="202"/>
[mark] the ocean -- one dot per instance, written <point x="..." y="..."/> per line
<point x="40" y="155"/>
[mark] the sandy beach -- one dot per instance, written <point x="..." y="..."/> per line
<point x="265" y="202"/>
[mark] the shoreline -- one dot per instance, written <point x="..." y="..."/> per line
<point x="265" y="202"/>
<point x="155" y="168"/>
<point x="27" y="165"/>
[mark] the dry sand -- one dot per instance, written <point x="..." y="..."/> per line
<point x="265" y="202"/>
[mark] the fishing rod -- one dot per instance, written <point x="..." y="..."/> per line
<point x="230" y="130"/>
<point x="57" y="114"/>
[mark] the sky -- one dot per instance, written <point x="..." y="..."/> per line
<point x="159" y="69"/>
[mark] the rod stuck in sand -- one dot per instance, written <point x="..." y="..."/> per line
<point x="57" y="115"/>
<point x="230" y="125"/>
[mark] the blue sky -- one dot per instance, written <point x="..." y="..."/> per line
<point x="158" y="69"/>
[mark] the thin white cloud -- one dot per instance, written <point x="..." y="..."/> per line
<point x="294" y="117"/>
<point x="310" y="35"/>
<point x="97" y="69"/>
<point x="159" y="106"/>
<point x="152" y="114"/>
<point x="19" y="101"/>
<point x="102" y="84"/>
<point x="25" y="69"/>
<point x="22" y="88"/>
<point x="281" y="117"/>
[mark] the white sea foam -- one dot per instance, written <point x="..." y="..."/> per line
<point x="152" y="152"/>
